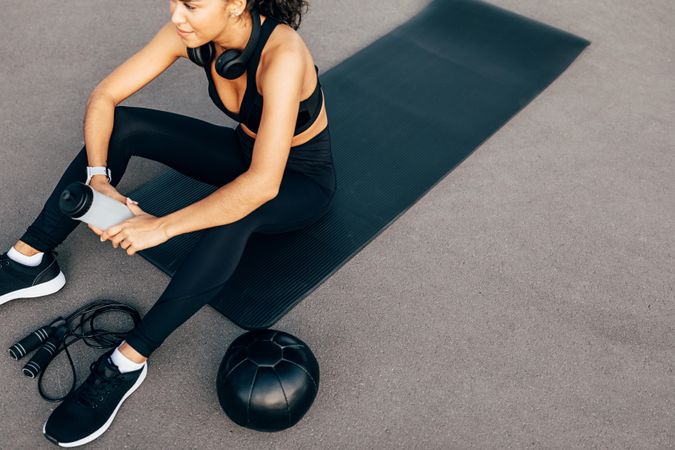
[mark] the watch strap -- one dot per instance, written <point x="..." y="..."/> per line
<point x="98" y="170"/>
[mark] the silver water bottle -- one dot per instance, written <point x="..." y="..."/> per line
<point x="81" y="202"/>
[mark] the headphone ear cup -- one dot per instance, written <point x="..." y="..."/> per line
<point x="195" y="56"/>
<point x="230" y="65"/>
<point x="202" y="55"/>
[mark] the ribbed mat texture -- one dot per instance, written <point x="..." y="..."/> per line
<point x="403" y="113"/>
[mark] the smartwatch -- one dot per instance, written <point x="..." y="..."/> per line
<point x="99" y="170"/>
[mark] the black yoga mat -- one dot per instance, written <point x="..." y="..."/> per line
<point x="404" y="112"/>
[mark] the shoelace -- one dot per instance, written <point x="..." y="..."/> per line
<point x="95" y="388"/>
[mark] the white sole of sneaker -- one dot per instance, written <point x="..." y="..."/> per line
<point x="39" y="290"/>
<point x="106" y="425"/>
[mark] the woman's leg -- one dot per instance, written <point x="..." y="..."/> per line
<point x="213" y="259"/>
<point x="201" y="150"/>
<point x="208" y="153"/>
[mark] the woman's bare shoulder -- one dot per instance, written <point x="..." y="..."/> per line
<point x="285" y="39"/>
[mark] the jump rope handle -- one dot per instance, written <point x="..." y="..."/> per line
<point x="30" y="342"/>
<point x="44" y="354"/>
<point x="34" y="340"/>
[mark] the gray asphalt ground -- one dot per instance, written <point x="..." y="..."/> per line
<point x="524" y="302"/>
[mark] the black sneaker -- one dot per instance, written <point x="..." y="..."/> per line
<point x="21" y="281"/>
<point x="90" y="409"/>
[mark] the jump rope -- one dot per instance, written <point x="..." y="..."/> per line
<point x="52" y="339"/>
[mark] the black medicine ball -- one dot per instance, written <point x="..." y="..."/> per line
<point x="267" y="380"/>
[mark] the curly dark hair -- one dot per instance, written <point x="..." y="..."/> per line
<point x="286" y="11"/>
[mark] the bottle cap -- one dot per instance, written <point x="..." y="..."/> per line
<point x="76" y="199"/>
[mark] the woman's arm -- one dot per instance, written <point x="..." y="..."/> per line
<point x="233" y="201"/>
<point x="228" y="204"/>
<point x="98" y="126"/>
<point x="128" y="78"/>
<point x="281" y="86"/>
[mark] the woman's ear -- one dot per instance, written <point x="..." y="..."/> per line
<point x="237" y="7"/>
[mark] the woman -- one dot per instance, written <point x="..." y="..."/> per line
<point x="274" y="172"/>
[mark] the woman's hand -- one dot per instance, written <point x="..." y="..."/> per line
<point x="102" y="185"/>
<point x="137" y="233"/>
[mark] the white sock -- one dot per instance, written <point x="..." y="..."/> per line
<point x="123" y="363"/>
<point x="32" y="261"/>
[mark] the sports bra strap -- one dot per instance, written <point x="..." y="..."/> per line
<point x="251" y="93"/>
<point x="265" y="32"/>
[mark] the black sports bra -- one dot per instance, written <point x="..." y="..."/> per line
<point x="250" y="111"/>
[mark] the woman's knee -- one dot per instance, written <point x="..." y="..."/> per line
<point x="125" y="113"/>
<point x="127" y="122"/>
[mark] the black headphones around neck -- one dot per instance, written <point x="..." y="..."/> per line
<point x="232" y="63"/>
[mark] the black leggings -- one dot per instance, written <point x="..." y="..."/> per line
<point x="209" y="153"/>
